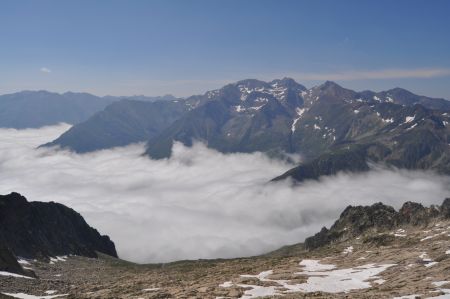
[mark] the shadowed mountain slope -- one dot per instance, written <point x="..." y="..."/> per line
<point x="42" y="230"/>
<point x="121" y="123"/>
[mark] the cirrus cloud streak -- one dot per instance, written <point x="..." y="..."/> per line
<point x="351" y="75"/>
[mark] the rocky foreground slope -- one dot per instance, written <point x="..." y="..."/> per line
<point x="39" y="230"/>
<point x="370" y="252"/>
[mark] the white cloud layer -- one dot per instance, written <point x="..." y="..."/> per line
<point x="199" y="203"/>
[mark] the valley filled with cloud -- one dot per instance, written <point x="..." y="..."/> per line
<point x="199" y="203"/>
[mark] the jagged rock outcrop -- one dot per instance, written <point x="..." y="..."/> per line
<point x="9" y="263"/>
<point x="445" y="208"/>
<point x="378" y="217"/>
<point x="42" y="230"/>
<point x="416" y="214"/>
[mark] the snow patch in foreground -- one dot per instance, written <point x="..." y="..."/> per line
<point x="26" y="296"/>
<point x="151" y="289"/>
<point x="348" y="250"/>
<point x="342" y="280"/>
<point x="62" y="258"/>
<point x="446" y="292"/>
<point x="226" y="284"/>
<point x="4" y="273"/>
<point x="315" y="265"/>
<point x="438" y="284"/>
<point x="23" y="261"/>
<point x="426" y="260"/>
<point x="321" y="278"/>
<point x="414" y="296"/>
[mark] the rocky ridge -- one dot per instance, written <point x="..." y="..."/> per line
<point x="38" y="230"/>
<point x="358" y="220"/>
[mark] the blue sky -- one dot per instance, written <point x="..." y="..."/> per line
<point x="189" y="46"/>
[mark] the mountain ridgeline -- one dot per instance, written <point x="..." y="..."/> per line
<point x="333" y="128"/>
<point x="34" y="109"/>
<point x="42" y="230"/>
<point x="377" y="218"/>
<point x="121" y="123"/>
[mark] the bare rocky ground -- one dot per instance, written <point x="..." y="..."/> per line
<point x="409" y="261"/>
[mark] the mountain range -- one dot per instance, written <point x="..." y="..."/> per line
<point x="333" y="128"/>
<point x="34" y="109"/>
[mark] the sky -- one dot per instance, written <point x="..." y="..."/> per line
<point x="189" y="47"/>
<point x="216" y="205"/>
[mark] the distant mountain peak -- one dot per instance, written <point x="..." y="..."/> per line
<point x="330" y="85"/>
<point x="251" y="83"/>
<point x="398" y="90"/>
<point x="330" y="88"/>
<point x="288" y="82"/>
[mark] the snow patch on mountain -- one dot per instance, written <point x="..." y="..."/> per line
<point x="299" y="112"/>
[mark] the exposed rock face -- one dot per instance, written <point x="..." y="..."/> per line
<point x="416" y="214"/>
<point x="41" y="230"/>
<point x="359" y="219"/>
<point x="8" y="262"/>
<point x="377" y="218"/>
<point x="445" y="208"/>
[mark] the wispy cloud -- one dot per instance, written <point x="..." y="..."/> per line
<point x="45" y="70"/>
<point x="187" y="86"/>
<point x="349" y="75"/>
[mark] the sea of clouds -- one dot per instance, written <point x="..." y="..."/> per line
<point x="199" y="203"/>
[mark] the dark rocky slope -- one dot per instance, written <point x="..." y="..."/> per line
<point x="120" y="124"/>
<point x="377" y="218"/>
<point x="9" y="263"/>
<point x="42" y="230"/>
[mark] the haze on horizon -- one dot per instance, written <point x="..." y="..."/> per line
<point x="189" y="47"/>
